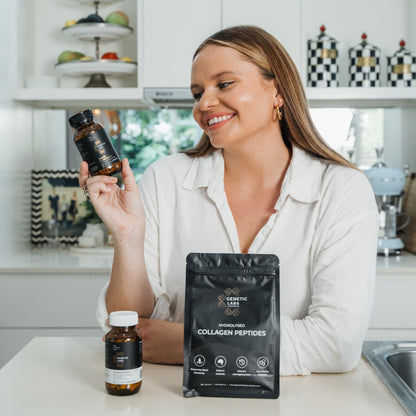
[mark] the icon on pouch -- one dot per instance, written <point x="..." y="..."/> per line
<point x="220" y="361"/>
<point x="199" y="360"/>
<point x="241" y="362"/>
<point x="262" y="362"/>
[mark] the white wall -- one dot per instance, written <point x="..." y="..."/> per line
<point x="16" y="144"/>
<point x="49" y="139"/>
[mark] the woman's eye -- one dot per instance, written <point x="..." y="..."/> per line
<point x="222" y="85"/>
<point x="197" y="96"/>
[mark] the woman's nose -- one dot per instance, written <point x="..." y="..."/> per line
<point x="208" y="100"/>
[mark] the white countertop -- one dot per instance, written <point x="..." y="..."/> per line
<point x="99" y="261"/>
<point x="63" y="260"/>
<point x="403" y="264"/>
<point x="65" y="376"/>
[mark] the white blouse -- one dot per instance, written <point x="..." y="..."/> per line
<point x="324" y="232"/>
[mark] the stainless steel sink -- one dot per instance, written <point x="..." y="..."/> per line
<point x="395" y="363"/>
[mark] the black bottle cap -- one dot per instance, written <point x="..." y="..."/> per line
<point x="81" y="118"/>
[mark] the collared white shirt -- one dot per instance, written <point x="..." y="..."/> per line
<point x="324" y="231"/>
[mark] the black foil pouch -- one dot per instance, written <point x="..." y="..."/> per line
<point x="232" y="325"/>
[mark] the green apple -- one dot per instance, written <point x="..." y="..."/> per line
<point x="118" y="18"/>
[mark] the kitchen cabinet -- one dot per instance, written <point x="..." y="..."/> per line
<point x="47" y="304"/>
<point x="172" y="30"/>
<point x="394" y="308"/>
<point x="279" y="17"/>
<point x="170" y="38"/>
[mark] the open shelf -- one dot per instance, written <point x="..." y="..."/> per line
<point x="361" y="97"/>
<point x="382" y="97"/>
<point x="67" y="98"/>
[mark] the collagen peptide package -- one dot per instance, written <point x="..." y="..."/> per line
<point x="232" y="328"/>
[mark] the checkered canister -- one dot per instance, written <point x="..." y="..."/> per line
<point x="323" y="66"/>
<point x="364" y="64"/>
<point x="401" y="68"/>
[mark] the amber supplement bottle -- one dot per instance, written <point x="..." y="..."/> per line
<point x="94" y="145"/>
<point x="123" y="354"/>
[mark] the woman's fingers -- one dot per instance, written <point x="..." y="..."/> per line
<point x="100" y="184"/>
<point x="83" y="174"/>
<point x="128" y="175"/>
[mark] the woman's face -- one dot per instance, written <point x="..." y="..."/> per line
<point x="233" y="101"/>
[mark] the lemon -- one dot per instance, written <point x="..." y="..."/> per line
<point x="86" y="58"/>
<point x="70" y="23"/>
<point x="126" y="59"/>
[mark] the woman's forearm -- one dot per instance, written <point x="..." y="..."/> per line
<point x="129" y="287"/>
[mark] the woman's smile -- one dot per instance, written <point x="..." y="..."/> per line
<point x="215" y="121"/>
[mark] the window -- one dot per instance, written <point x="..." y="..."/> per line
<point x="147" y="135"/>
<point x="353" y="133"/>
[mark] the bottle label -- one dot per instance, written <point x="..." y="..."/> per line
<point x="97" y="150"/>
<point x="123" y="362"/>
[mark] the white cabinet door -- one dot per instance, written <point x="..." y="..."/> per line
<point x="394" y="304"/>
<point x="172" y="30"/>
<point x="49" y="300"/>
<point x="394" y="309"/>
<point x="281" y="18"/>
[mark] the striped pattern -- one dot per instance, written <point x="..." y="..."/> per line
<point x="61" y="178"/>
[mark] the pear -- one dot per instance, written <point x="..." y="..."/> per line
<point x="78" y="55"/>
<point x="118" y="18"/>
<point x="67" y="56"/>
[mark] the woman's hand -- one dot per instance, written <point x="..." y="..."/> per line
<point x="121" y="210"/>
<point x="162" y="341"/>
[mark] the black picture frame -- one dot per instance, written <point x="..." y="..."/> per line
<point x="57" y="209"/>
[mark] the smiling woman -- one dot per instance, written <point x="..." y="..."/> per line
<point x="261" y="180"/>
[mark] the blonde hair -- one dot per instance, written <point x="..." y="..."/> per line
<point x="266" y="52"/>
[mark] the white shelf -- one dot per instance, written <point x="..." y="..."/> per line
<point x="361" y="97"/>
<point x="101" y="66"/>
<point x="67" y="98"/>
<point x="133" y="97"/>
<point x="91" y="31"/>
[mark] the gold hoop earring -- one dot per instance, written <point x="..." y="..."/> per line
<point x="274" y="114"/>
<point x="279" y="113"/>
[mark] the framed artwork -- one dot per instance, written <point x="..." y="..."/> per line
<point x="58" y="207"/>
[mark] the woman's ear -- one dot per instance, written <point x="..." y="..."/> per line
<point x="278" y="100"/>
